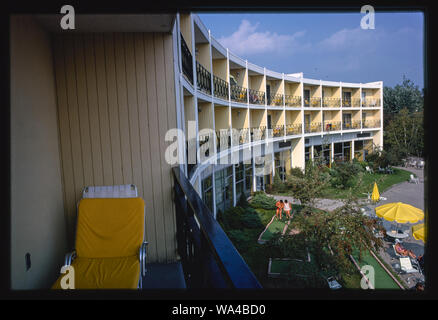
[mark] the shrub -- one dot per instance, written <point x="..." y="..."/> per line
<point x="239" y="218"/>
<point x="342" y="174"/>
<point x="263" y="201"/>
<point x="297" y="172"/>
<point x="243" y="201"/>
<point x="381" y="159"/>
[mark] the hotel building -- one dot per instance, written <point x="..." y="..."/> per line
<point x="92" y="107"/>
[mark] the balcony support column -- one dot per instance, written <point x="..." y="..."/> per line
<point x="352" y="149"/>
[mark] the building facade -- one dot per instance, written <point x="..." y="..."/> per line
<point x="264" y="119"/>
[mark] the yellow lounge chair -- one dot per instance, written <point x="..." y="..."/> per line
<point x="110" y="251"/>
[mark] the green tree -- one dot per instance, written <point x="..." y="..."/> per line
<point x="310" y="186"/>
<point x="406" y="95"/>
<point x="331" y="237"/>
<point x="404" y="135"/>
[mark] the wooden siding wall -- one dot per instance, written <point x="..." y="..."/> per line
<point x="116" y="101"/>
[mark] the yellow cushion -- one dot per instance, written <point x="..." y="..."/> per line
<point x="109" y="227"/>
<point x="105" y="273"/>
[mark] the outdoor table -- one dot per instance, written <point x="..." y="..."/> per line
<point x="397" y="235"/>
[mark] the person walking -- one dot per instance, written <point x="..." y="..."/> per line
<point x="280" y="206"/>
<point x="287" y="209"/>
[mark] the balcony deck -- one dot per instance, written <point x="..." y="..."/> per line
<point x="164" y="276"/>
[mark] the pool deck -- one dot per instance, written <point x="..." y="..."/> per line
<point x="412" y="194"/>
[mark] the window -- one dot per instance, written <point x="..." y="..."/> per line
<point x="307" y="154"/>
<point x="207" y="192"/>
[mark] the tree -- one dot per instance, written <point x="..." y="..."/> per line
<point x="310" y="186"/>
<point x="331" y="237"/>
<point x="404" y="134"/>
<point x="342" y="173"/>
<point x="407" y="95"/>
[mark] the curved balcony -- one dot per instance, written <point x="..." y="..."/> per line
<point x="331" y="102"/>
<point x="370" y="124"/>
<point x="241" y="136"/>
<point x="220" y="88"/>
<point x="203" y="78"/>
<point x="350" y="103"/>
<point x="257" y="133"/>
<point x="292" y="101"/>
<point x="223" y="139"/>
<point x="187" y="60"/>
<point x="312" y="127"/>
<point x="314" y="102"/>
<point x="293" y="129"/>
<point x="238" y="93"/>
<point x="332" y="126"/>
<point x="351" y="125"/>
<point x="275" y="100"/>
<point x="277" y="131"/>
<point x="256" y="97"/>
<point x="370" y="103"/>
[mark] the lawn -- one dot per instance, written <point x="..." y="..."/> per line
<point x="384" y="182"/>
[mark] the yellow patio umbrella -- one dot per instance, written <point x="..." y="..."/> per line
<point x="375" y="196"/>
<point x="400" y="212"/>
<point x="418" y="232"/>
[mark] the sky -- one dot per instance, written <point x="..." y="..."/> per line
<point x="327" y="46"/>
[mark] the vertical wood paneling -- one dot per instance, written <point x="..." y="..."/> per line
<point x="143" y="117"/>
<point x="171" y="123"/>
<point x="157" y="191"/>
<point x="84" y="123"/>
<point x="73" y="113"/>
<point x="163" y="126"/>
<point x="116" y="101"/>
<point x="131" y="85"/>
<point x="123" y="107"/>
<point x="113" y="109"/>
<point x="103" y="101"/>
<point x="93" y="109"/>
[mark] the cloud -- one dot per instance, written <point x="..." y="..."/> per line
<point x="352" y="40"/>
<point x="246" y="40"/>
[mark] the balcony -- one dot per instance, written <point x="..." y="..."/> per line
<point x="312" y="127"/>
<point x="370" y="123"/>
<point x="370" y="103"/>
<point x="292" y="101"/>
<point x="351" y="125"/>
<point x="208" y="257"/>
<point x="238" y="93"/>
<point x="351" y="103"/>
<point x="257" y="133"/>
<point x="332" y="126"/>
<point x="331" y="102"/>
<point x="275" y="100"/>
<point x="256" y="97"/>
<point x="203" y="139"/>
<point x="312" y="102"/>
<point x="220" y="88"/>
<point x="203" y="78"/>
<point x="241" y="136"/>
<point x="223" y="139"/>
<point x="277" y="131"/>
<point x="187" y="60"/>
<point x="293" y="129"/>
